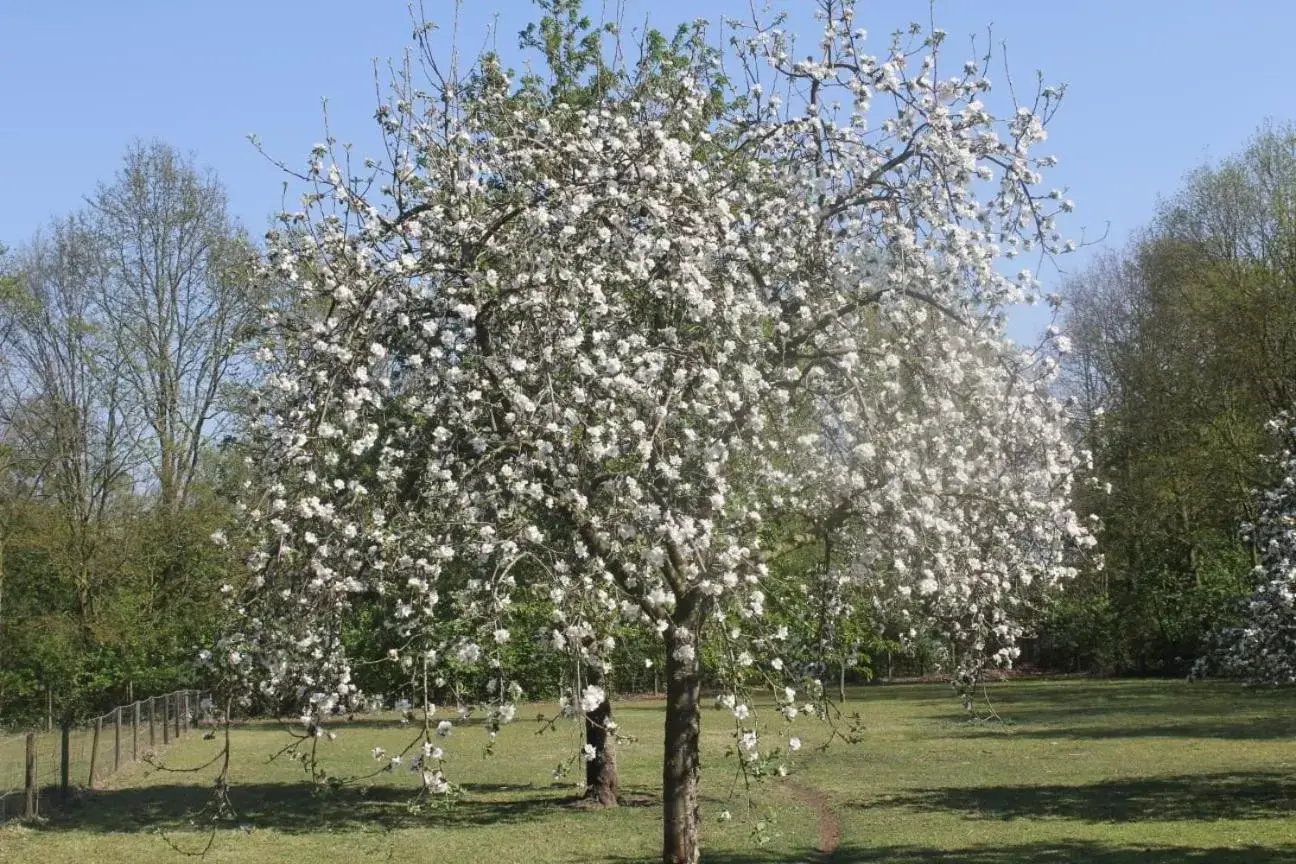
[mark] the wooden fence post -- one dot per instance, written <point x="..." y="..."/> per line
<point x="117" y="738"/>
<point x="184" y="711"/>
<point x="166" y="720"/>
<point x="152" y="722"/>
<point x="94" y="751"/>
<point x="176" y="705"/>
<point x="31" y="798"/>
<point x="65" y="762"/>
<point x="135" y="712"/>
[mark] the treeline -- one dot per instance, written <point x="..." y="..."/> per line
<point x="1184" y="349"/>
<point x="122" y="332"/>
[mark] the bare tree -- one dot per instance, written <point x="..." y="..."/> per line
<point x="176" y="302"/>
<point x="8" y="289"/>
<point x="68" y="428"/>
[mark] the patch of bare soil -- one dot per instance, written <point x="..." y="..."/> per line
<point x="829" y="827"/>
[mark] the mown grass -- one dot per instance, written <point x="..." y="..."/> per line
<point x="1076" y="771"/>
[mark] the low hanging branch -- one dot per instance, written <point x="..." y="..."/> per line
<point x="219" y="808"/>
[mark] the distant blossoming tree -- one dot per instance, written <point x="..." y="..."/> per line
<point x="593" y="335"/>
<point x="1262" y="649"/>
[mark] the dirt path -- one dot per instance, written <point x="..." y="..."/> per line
<point x="829" y="828"/>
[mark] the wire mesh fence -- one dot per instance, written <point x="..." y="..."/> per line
<point x="39" y="770"/>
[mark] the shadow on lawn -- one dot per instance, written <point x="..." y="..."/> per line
<point x="297" y="808"/>
<point x="1192" y="797"/>
<point x="1260" y="729"/>
<point x="1165" y="710"/>
<point x="389" y="721"/>
<point x="1073" y="852"/>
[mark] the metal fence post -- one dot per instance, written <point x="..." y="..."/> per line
<point x="166" y="720"/>
<point x="175" y="698"/>
<point x="152" y="722"/>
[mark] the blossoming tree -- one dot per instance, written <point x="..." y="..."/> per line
<point x="1262" y="649"/>
<point x="602" y="336"/>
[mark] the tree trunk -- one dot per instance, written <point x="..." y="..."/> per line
<point x="841" y="680"/>
<point x="2" y="581"/>
<point x="601" y="781"/>
<point x="680" y="817"/>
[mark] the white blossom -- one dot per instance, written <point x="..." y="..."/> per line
<point x="592" y="697"/>
<point x="1262" y="649"/>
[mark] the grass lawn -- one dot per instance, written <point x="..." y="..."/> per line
<point x="1079" y="771"/>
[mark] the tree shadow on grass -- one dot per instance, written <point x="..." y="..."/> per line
<point x="299" y="808"/>
<point x="1159" y="711"/>
<point x="1069" y="852"/>
<point x="387" y="721"/>
<point x="1192" y="797"/>
<point x="1263" y="729"/>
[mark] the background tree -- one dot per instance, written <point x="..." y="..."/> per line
<point x="178" y="303"/>
<point x="1185" y="345"/>
<point x="66" y="420"/>
<point x="122" y="329"/>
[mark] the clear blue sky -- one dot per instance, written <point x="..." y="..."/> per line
<point x="1156" y="86"/>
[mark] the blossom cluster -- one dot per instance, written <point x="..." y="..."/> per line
<point x="1262" y="649"/>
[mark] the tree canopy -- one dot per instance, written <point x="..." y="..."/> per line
<point x="596" y="338"/>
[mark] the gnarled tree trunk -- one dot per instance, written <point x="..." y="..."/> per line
<point x="601" y="780"/>
<point x="680" y="819"/>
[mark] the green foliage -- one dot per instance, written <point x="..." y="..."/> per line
<point x="573" y="51"/>
<point x="1081" y="633"/>
<point x="137" y="625"/>
<point x="1185" y="348"/>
